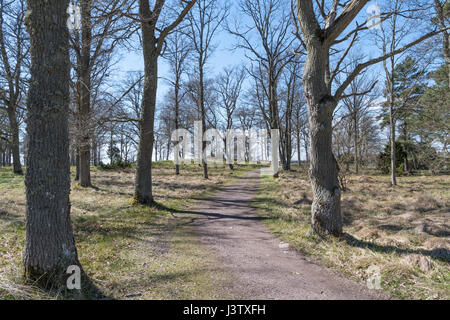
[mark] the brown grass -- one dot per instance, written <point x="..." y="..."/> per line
<point x="129" y="252"/>
<point x="403" y="230"/>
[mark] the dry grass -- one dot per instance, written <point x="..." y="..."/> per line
<point x="129" y="252"/>
<point x="404" y="230"/>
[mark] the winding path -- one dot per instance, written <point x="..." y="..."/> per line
<point x="260" y="266"/>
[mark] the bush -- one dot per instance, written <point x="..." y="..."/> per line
<point x="384" y="159"/>
<point x="116" y="165"/>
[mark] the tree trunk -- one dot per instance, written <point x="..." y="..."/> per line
<point x="306" y="148"/>
<point x="326" y="208"/>
<point x="406" y="149"/>
<point x="392" y="140"/>
<point x="299" y="159"/>
<point x="94" y="151"/>
<point x="77" y="165"/>
<point x="50" y="246"/>
<point x="203" y="114"/>
<point x="355" y="142"/>
<point x="85" y="94"/>
<point x="143" y="184"/>
<point x="177" y="115"/>
<point x="15" y="147"/>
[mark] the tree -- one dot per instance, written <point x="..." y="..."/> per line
<point x="102" y="30"/>
<point x="320" y="31"/>
<point x="50" y="246"/>
<point x="429" y="122"/>
<point x="443" y="20"/>
<point x="408" y="84"/>
<point x="300" y="121"/>
<point x="153" y="38"/>
<point x="291" y="95"/>
<point x="358" y="102"/>
<point x="177" y="53"/>
<point x="13" y="56"/>
<point x="229" y="88"/>
<point x="204" y="22"/>
<point x="269" y="54"/>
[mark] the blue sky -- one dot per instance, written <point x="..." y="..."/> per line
<point x="224" y="55"/>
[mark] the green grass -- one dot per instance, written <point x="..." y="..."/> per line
<point x="129" y="252"/>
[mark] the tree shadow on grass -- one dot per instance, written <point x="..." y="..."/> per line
<point x="209" y="214"/>
<point x="441" y="254"/>
<point x="11" y="218"/>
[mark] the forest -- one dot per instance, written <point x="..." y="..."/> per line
<point x="212" y="149"/>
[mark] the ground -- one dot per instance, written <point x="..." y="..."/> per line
<point x="403" y="231"/>
<point x="129" y="252"/>
<point x="134" y="252"/>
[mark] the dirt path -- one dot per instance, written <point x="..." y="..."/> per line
<point x="252" y="255"/>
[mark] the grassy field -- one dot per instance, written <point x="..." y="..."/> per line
<point x="404" y="231"/>
<point x="129" y="252"/>
<point x="135" y="252"/>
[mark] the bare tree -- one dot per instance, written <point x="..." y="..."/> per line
<point x="291" y="94"/>
<point x="102" y="30"/>
<point x="177" y="53"/>
<point x="320" y="31"/>
<point x="204" y="22"/>
<point x="153" y="38"/>
<point x="443" y="19"/>
<point x="50" y="246"/>
<point x="229" y="88"/>
<point x="269" y="54"/>
<point x="358" y="100"/>
<point x="13" y="58"/>
<point x="300" y="121"/>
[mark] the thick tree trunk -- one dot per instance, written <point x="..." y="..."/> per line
<point x="15" y="147"/>
<point x="143" y="184"/>
<point x="49" y="247"/>
<point x="326" y="208"/>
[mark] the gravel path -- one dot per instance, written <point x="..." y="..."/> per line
<point x="259" y="264"/>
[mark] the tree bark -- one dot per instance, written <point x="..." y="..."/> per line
<point x="50" y="246"/>
<point x="77" y="165"/>
<point x="15" y="143"/>
<point x="445" y="34"/>
<point x="203" y="114"/>
<point x="177" y="115"/>
<point x="392" y="140"/>
<point x="85" y="94"/>
<point x="355" y="139"/>
<point x="326" y="208"/>
<point x="143" y="184"/>
<point x="299" y="158"/>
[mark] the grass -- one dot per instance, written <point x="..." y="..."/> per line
<point x="129" y="252"/>
<point x="403" y="230"/>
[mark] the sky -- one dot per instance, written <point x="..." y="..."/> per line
<point x="224" y="55"/>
